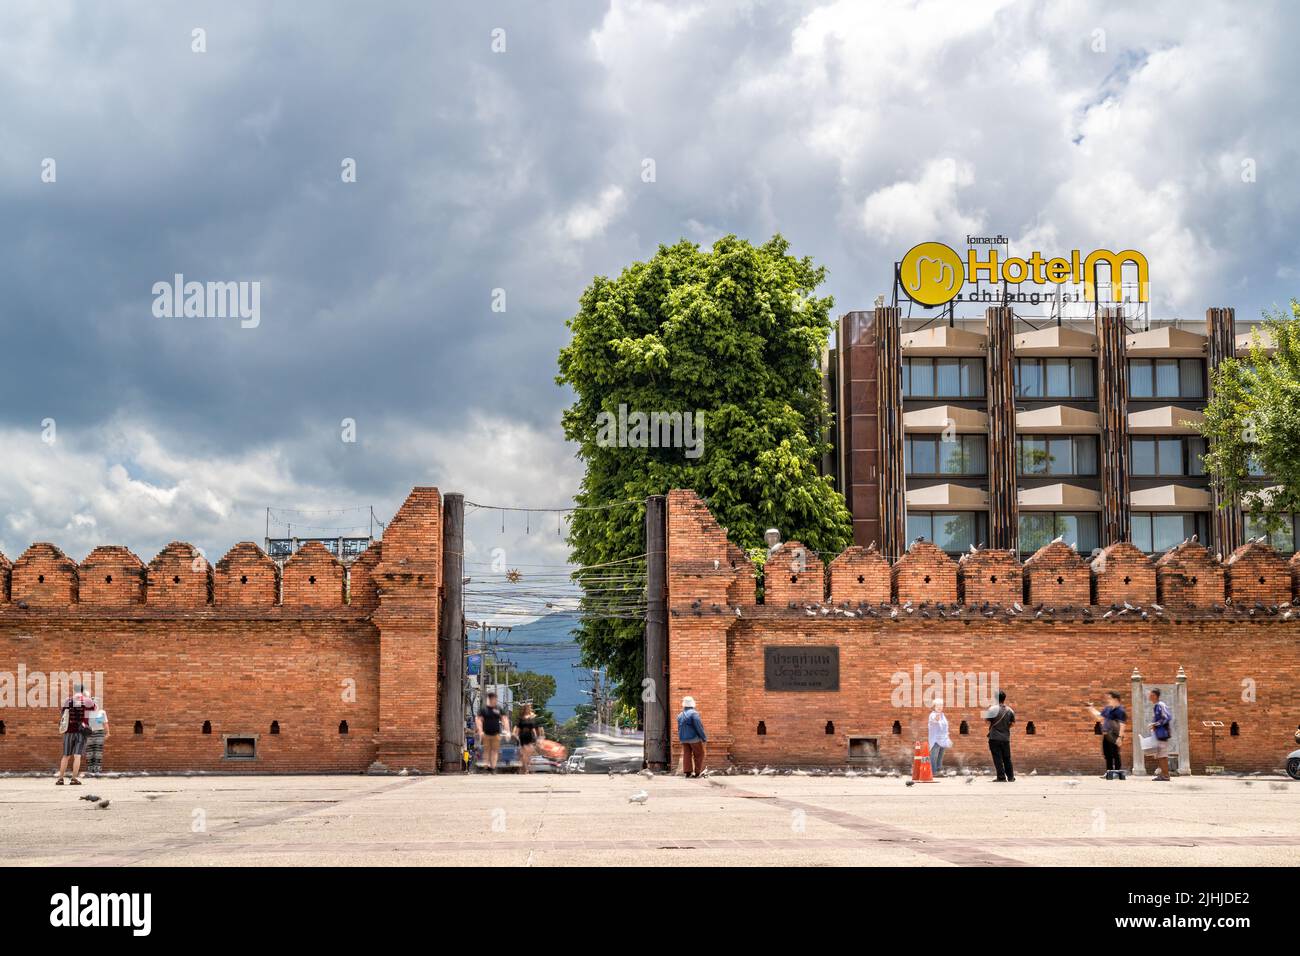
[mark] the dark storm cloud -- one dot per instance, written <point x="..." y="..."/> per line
<point x="855" y="129"/>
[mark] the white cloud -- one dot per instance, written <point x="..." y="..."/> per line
<point x="587" y="220"/>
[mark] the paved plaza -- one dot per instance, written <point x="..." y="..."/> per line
<point x="551" y="820"/>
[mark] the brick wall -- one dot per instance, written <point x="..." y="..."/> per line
<point x="1052" y="657"/>
<point x="323" y="684"/>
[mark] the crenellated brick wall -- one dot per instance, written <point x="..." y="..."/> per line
<point x="331" y="669"/>
<point x="1059" y="650"/>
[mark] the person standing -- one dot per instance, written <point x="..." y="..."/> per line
<point x="74" y="720"/>
<point x="490" y="722"/>
<point x="95" y="743"/>
<point x="938" y="735"/>
<point x="1162" y="729"/>
<point x="1000" y="717"/>
<point x="1112" y="717"/>
<point x="690" y="731"/>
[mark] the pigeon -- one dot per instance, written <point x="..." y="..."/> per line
<point x="1071" y="783"/>
<point x="640" y="796"/>
<point x="909" y="783"/>
<point x="974" y="550"/>
<point x="1058" y="539"/>
<point x="103" y="804"/>
<point x="93" y="798"/>
<point x="970" y="780"/>
<point x="1017" y="606"/>
<point x="647" y="773"/>
<point x="737" y="612"/>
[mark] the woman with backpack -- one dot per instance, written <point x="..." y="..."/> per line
<point x="74" y="723"/>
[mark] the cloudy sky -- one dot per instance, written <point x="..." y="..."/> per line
<point x="856" y="129"/>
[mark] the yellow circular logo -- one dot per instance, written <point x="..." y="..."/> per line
<point x="931" y="273"/>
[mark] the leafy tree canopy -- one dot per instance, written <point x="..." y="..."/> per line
<point x="735" y="333"/>
<point x="1253" y="423"/>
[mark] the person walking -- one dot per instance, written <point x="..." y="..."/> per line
<point x="938" y="735"/>
<point x="1162" y="729"/>
<point x="490" y="723"/>
<point x="95" y="743"/>
<point x="690" y="731"/>
<point x="74" y="721"/>
<point x="529" y="731"/>
<point x="1112" y="717"/>
<point x="1000" y="717"/>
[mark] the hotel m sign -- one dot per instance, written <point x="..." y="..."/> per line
<point x="801" y="668"/>
<point x="933" y="274"/>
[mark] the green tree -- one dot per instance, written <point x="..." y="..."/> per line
<point x="735" y="333"/>
<point x="571" y="732"/>
<point x="538" y="689"/>
<point x="1252" y="423"/>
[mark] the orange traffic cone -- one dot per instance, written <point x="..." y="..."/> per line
<point x="921" y="763"/>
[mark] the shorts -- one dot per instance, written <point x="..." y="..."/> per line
<point x="1161" y="749"/>
<point x="74" y="744"/>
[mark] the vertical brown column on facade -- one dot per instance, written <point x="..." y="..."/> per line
<point x="409" y="578"/>
<point x="1229" y="527"/>
<point x="859" y="430"/>
<point x="1004" y="512"/>
<point x="657" y="747"/>
<point x="889" y="398"/>
<point x="1112" y="393"/>
<point x="452" y="633"/>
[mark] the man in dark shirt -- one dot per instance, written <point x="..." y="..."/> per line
<point x="1112" y="717"/>
<point x="490" y="723"/>
<point x="1000" y="718"/>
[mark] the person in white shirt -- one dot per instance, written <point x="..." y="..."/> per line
<point x="95" y="744"/>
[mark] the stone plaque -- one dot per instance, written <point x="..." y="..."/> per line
<point x="801" y="668"/>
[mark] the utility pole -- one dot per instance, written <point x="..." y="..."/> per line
<point x="654" y="693"/>
<point x="451" y="633"/>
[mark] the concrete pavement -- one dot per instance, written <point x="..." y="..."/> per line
<point x="550" y="820"/>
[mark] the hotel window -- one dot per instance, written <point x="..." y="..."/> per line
<point x="1038" y="528"/>
<point x="1166" y="378"/>
<point x="1155" y="532"/>
<point x="953" y="531"/>
<point x="943" y="378"/>
<point x="1055" y="378"/>
<point x="1172" y="455"/>
<point x="1056" y="455"/>
<point x="1282" y="540"/>
<point x="931" y="455"/>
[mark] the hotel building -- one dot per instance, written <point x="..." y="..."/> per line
<point x="1007" y="431"/>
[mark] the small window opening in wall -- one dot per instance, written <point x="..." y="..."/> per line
<point x="1261" y="580"/>
<point x="1096" y="728"/>
<point x="861" y="579"/>
<point x="897" y="728"/>
<point x="1234" y="730"/>
<point x="1193" y="579"/>
<point x="243" y="579"/>
<point x="275" y="726"/>
<point x="993" y="579"/>
<point x="1128" y="580"/>
<point x="830" y="727"/>
<point x="40" y="579"/>
<point x="139" y="728"/>
<point x="762" y="728"/>
<point x="343" y="726"/>
<point x="927" y="579"/>
<point x="1060" y="580"/>
<point x="207" y="726"/>
<point x="863" y="748"/>
<point x="964" y="729"/>
<point x="241" y="748"/>
<point x="176" y="579"/>
<point x="108" y="579"/>
<point x="794" y="578"/>
<point x="312" y="579"/>
<point x="2" y="728"/>
<point x="1030" y="729"/>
